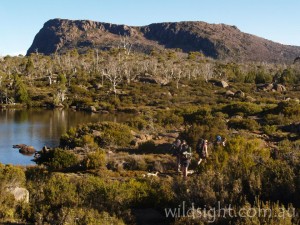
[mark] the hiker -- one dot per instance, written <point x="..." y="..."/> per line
<point x="224" y="142"/>
<point x="176" y="152"/>
<point x="185" y="157"/>
<point x="202" y="149"/>
<point x="219" y="140"/>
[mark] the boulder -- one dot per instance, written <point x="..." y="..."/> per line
<point x="19" y="146"/>
<point x="97" y="133"/>
<point x="229" y="93"/>
<point x="250" y="99"/>
<point x="98" y="86"/>
<point x="27" y="150"/>
<point x="20" y="194"/>
<point x="268" y="87"/>
<point x="239" y="117"/>
<point x="59" y="105"/>
<point x="239" y="94"/>
<point x="92" y="109"/>
<point x="45" y="149"/>
<point x="224" y="84"/>
<point x="279" y="87"/>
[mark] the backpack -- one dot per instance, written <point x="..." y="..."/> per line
<point x="186" y="152"/>
<point x="200" y="146"/>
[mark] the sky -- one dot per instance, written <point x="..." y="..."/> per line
<point x="276" y="20"/>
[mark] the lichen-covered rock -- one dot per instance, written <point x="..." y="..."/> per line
<point x="20" y="194"/>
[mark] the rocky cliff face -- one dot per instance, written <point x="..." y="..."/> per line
<point x="218" y="41"/>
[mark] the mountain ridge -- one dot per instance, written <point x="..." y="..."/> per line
<point x="218" y="41"/>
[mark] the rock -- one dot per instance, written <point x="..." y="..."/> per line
<point x="59" y="105"/>
<point x="133" y="133"/>
<point x="45" y="149"/>
<point x="268" y="87"/>
<point x="27" y="150"/>
<point x="104" y="112"/>
<point x="279" y="88"/>
<point x="92" y="109"/>
<point x="239" y="94"/>
<point x="224" y="84"/>
<point x="229" y="93"/>
<point x="19" y="146"/>
<point x="98" y="86"/>
<point x="20" y="194"/>
<point x="96" y="133"/>
<point x="236" y="117"/>
<point x="250" y="99"/>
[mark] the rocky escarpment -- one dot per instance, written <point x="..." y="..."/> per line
<point x="218" y="41"/>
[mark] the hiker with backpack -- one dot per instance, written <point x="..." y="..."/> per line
<point x="201" y="149"/>
<point x="219" y="140"/>
<point x="185" y="157"/>
<point x="175" y="148"/>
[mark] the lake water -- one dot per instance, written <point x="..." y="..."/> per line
<point x="39" y="128"/>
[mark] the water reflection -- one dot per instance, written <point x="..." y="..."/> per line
<point x="40" y="127"/>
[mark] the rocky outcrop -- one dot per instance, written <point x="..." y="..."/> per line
<point x="271" y="87"/>
<point x="25" y="149"/>
<point x="239" y="94"/>
<point x="20" y="194"/>
<point x="218" y="41"/>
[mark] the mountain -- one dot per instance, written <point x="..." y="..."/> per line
<point x="218" y="41"/>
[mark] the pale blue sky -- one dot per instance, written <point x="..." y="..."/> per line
<point x="276" y="20"/>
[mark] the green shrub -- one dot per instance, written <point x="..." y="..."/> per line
<point x="101" y="134"/>
<point x="58" y="159"/>
<point x="247" y="108"/>
<point x="113" y="134"/>
<point x="168" y="118"/>
<point x="247" y="124"/>
<point x="10" y="176"/>
<point x="137" y="123"/>
<point x="278" y="182"/>
<point x="95" y="160"/>
<point x="289" y="109"/>
<point x="269" y="129"/>
<point x="272" y="119"/>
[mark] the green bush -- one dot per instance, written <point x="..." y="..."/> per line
<point x="10" y="176"/>
<point x="289" y="109"/>
<point x="278" y="182"/>
<point x="247" y="124"/>
<point x="247" y="108"/>
<point x="137" y="123"/>
<point x="168" y="118"/>
<point x="95" y="160"/>
<point x="113" y="134"/>
<point x="58" y="159"/>
<point x="269" y="129"/>
<point x="101" y="134"/>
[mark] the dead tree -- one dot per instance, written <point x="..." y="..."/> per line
<point x="126" y="44"/>
<point x="113" y="74"/>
